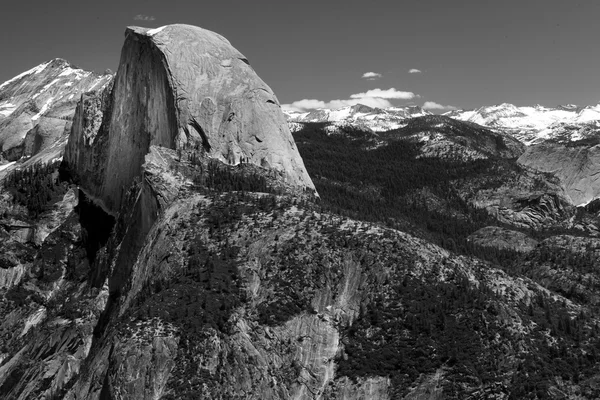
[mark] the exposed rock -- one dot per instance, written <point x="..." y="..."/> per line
<point x="373" y="388"/>
<point x="525" y="200"/>
<point x="500" y="238"/>
<point x="445" y="138"/>
<point x="10" y="277"/>
<point x="181" y="87"/>
<point x="577" y="167"/>
<point x="36" y="107"/>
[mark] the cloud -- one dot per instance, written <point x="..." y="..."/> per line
<point x="373" y="98"/>
<point x="142" y="17"/>
<point x="302" y="105"/>
<point x="390" y="93"/>
<point x="432" y="105"/>
<point x="371" y="76"/>
<point x="414" y="71"/>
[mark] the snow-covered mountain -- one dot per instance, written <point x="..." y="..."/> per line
<point x="374" y="119"/>
<point x="530" y="124"/>
<point x="536" y="124"/>
<point x="37" y="108"/>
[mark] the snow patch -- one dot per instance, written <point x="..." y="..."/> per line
<point x="79" y="73"/>
<point x="6" y="109"/>
<point x="43" y="109"/>
<point x="153" y="32"/>
<point x="45" y="88"/>
<point x="34" y="71"/>
<point x="3" y="167"/>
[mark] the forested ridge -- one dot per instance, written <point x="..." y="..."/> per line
<point x="451" y="325"/>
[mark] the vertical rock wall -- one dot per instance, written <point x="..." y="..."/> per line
<point x="185" y="88"/>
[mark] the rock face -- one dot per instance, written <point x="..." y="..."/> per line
<point x="577" y="167"/>
<point x="37" y="106"/>
<point x="185" y="88"/>
<point x="500" y="238"/>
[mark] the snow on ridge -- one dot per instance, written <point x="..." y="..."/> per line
<point x="530" y="123"/>
<point x="79" y="73"/>
<point x="153" y="32"/>
<point x="374" y="119"/>
<point x="587" y="115"/>
<point x="45" y="88"/>
<point x="43" y="109"/>
<point x="35" y="70"/>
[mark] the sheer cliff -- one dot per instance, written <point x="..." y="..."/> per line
<point x="577" y="165"/>
<point x="184" y="88"/>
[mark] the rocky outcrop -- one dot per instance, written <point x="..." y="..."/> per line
<point x="184" y="88"/>
<point x="577" y="167"/>
<point x="500" y="238"/>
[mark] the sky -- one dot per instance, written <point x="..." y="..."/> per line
<point x="438" y="53"/>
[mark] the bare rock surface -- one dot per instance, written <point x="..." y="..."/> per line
<point x="184" y="88"/>
<point x="500" y="238"/>
<point x="577" y="167"/>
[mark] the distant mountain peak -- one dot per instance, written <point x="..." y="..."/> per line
<point x="37" y="107"/>
<point x="360" y="115"/>
<point x="361" y="108"/>
<point x="532" y="124"/>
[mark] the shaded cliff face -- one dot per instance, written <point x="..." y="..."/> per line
<point x="576" y="166"/>
<point x="37" y="107"/>
<point x="185" y="88"/>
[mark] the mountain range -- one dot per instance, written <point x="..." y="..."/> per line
<point x="529" y="125"/>
<point x="169" y="232"/>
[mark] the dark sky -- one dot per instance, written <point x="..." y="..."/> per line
<point x="470" y="53"/>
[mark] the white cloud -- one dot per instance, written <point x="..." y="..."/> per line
<point x="142" y="17"/>
<point x="312" y="104"/>
<point x="390" y="93"/>
<point x="379" y="98"/>
<point x="432" y="105"/>
<point x="414" y="71"/>
<point x="302" y="105"/>
<point x="367" y="101"/>
<point x="371" y="76"/>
